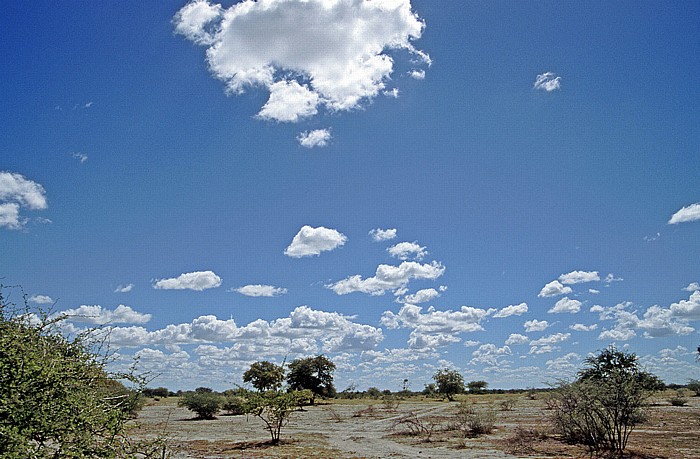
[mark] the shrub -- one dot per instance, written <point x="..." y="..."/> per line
<point x="205" y="404"/>
<point x="523" y="439"/>
<point x="56" y="397"/>
<point x="694" y="385"/>
<point x="234" y="405"/>
<point x="411" y="424"/>
<point x="472" y="421"/>
<point x="604" y="405"/>
<point x="678" y="399"/>
<point x="507" y="405"/>
<point x="274" y="409"/>
<point x="390" y="403"/>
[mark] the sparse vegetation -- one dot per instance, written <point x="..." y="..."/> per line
<point x="413" y="425"/>
<point x="678" y="399"/>
<point x="473" y="421"/>
<point x="274" y="409"/>
<point x="202" y="402"/>
<point x="605" y="404"/>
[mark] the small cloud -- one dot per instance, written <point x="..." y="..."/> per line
<point x="421" y="296"/>
<point x="692" y="287"/>
<point x="513" y="310"/>
<point x="379" y="234"/>
<point x="690" y="213"/>
<point x="517" y="338"/>
<point x="579" y="277"/>
<point x="312" y="241"/>
<point x="535" y="325"/>
<point x="566" y="305"/>
<point x="41" y="299"/>
<point x="611" y="278"/>
<point x="394" y="93"/>
<point x="260" y="290"/>
<point x="554" y="288"/>
<point x="407" y="250"/>
<point x="653" y="238"/>
<point x="124" y="288"/>
<point x="583" y="328"/>
<point x="593" y="291"/>
<point x="197" y="281"/>
<point x="418" y="74"/>
<point x="315" y="138"/>
<point x="80" y="157"/>
<point x="547" y="81"/>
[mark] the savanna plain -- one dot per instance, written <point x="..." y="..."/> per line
<point x="412" y="426"/>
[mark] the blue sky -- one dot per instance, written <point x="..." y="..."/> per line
<point x="209" y="180"/>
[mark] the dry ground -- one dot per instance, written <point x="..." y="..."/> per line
<point x="346" y="429"/>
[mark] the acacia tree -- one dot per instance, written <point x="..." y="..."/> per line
<point x="477" y="387"/>
<point x="264" y="376"/>
<point x="607" y="401"/>
<point x="314" y="374"/>
<point x="275" y="407"/>
<point x="56" y="397"/>
<point x="449" y="383"/>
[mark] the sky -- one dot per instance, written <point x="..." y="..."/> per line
<point x="500" y="188"/>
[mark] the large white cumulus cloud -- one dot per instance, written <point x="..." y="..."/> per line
<point x="308" y="53"/>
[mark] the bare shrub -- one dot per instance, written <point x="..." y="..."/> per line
<point x="335" y="415"/>
<point x="523" y="439"/>
<point x="507" y="405"/>
<point x="472" y="421"/>
<point x="390" y="403"/>
<point x="414" y="426"/>
<point x="369" y="411"/>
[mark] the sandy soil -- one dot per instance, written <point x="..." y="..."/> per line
<point x="347" y="430"/>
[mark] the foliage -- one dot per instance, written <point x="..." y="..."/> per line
<point x="274" y="409"/>
<point x="205" y="404"/>
<point x="449" y="383"/>
<point x="162" y="392"/>
<point x="694" y="385"/>
<point x="605" y="404"/>
<point x="678" y="399"/>
<point x="477" y="387"/>
<point x="56" y="397"/>
<point x="264" y="376"/>
<point x="373" y="392"/>
<point x="234" y="405"/>
<point x="429" y="389"/>
<point x="313" y="373"/>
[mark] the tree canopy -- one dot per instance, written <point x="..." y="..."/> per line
<point x="313" y="373"/>
<point x="449" y="383"/>
<point x="264" y="376"/>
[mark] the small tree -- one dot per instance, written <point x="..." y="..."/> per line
<point x="606" y="403"/>
<point x="274" y="409"/>
<point x="205" y="404"/>
<point x="449" y="383"/>
<point x="313" y="373"/>
<point x="477" y="387"/>
<point x="264" y="376"/>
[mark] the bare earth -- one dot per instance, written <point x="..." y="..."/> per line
<point x="346" y="429"/>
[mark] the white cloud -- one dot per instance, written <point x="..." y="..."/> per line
<point x="689" y="309"/>
<point x="418" y="74"/>
<point x="99" y="316"/>
<point x="689" y="213"/>
<point x="308" y="53"/>
<point x="81" y="157"/>
<point x="554" y="288"/>
<point x="547" y="81"/>
<point x="289" y="101"/>
<point x="489" y="354"/>
<point x="388" y="277"/>
<point x="617" y="334"/>
<point x="17" y="191"/>
<point x="578" y="277"/>
<point x="312" y="241"/>
<point x="516" y="338"/>
<point x="421" y="296"/>
<point x="198" y="281"/>
<point x="407" y="250"/>
<point x="566" y="305"/>
<point x="41" y="299"/>
<point x="583" y="328"/>
<point x="593" y="291"/>
<point x="513" y="310"/>
<point x="261" y="290"/>
<point x="692" y="287"/>
<point x="652" y="238"/>
<point x="124" y="288"/>
<point x="551" y="339"/>
<point x="315" y="138"/>
<point x="535" y="325"/>
<point x="611" y="278"/>
<point x="379" y="235"/>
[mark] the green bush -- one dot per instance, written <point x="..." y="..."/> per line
<point x="234" y="405"/>
<point x="204" y="404"/>
<point x="57" y="399"/>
